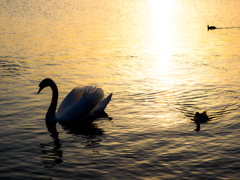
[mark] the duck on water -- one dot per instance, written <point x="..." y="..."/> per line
<point x="211" y="27"/>
<point x="200" y="118"/>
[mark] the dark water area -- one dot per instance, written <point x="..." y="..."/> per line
<point x="162" y="65"/>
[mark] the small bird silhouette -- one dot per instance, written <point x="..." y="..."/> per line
<point x="200" y="118"/>
<point x="211" y="27"/>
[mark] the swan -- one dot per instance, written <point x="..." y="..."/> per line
<point x="81" y="103"/>
<point x="211" y="27"/>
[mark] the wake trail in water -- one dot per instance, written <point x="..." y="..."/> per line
<point x="233" y="27"/>
<point x="216" y="102"/>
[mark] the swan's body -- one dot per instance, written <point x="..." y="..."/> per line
<point x="211" y="27"/>
<point x="81" y="103"/>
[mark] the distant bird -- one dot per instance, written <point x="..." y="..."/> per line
<point x="211" y="27"/>
<point x="200" y="118"/>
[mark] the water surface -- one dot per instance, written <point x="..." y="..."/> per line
<point x="160" y="62"/>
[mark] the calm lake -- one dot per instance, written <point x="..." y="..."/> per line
<point x="161" y="63"/>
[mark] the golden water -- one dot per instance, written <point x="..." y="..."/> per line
<point x="160" y="62"/>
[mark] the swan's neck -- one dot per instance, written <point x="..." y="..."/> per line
<point x="51" y="116"/>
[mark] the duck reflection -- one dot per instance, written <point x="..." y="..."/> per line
<point x="51" y="153"/>
<point x="200" y="118"/>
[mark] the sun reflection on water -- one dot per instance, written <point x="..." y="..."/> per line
<point x="161" y="35"/>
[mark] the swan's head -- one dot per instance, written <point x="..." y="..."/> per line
<point x="45" y="83"/>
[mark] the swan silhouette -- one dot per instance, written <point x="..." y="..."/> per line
<point x="80" y="104"/>
<point x="211" y="27"/>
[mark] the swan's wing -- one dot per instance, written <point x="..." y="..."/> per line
<point x="82" y="106"/>
<point x="102" y="105"/>
<point x="70" y="99"/>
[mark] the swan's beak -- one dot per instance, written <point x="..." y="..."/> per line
<point x="40" y="89"/>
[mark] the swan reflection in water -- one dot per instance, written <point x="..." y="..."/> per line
<point x="51" y="153"/>
<point x="90" y="133"/>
